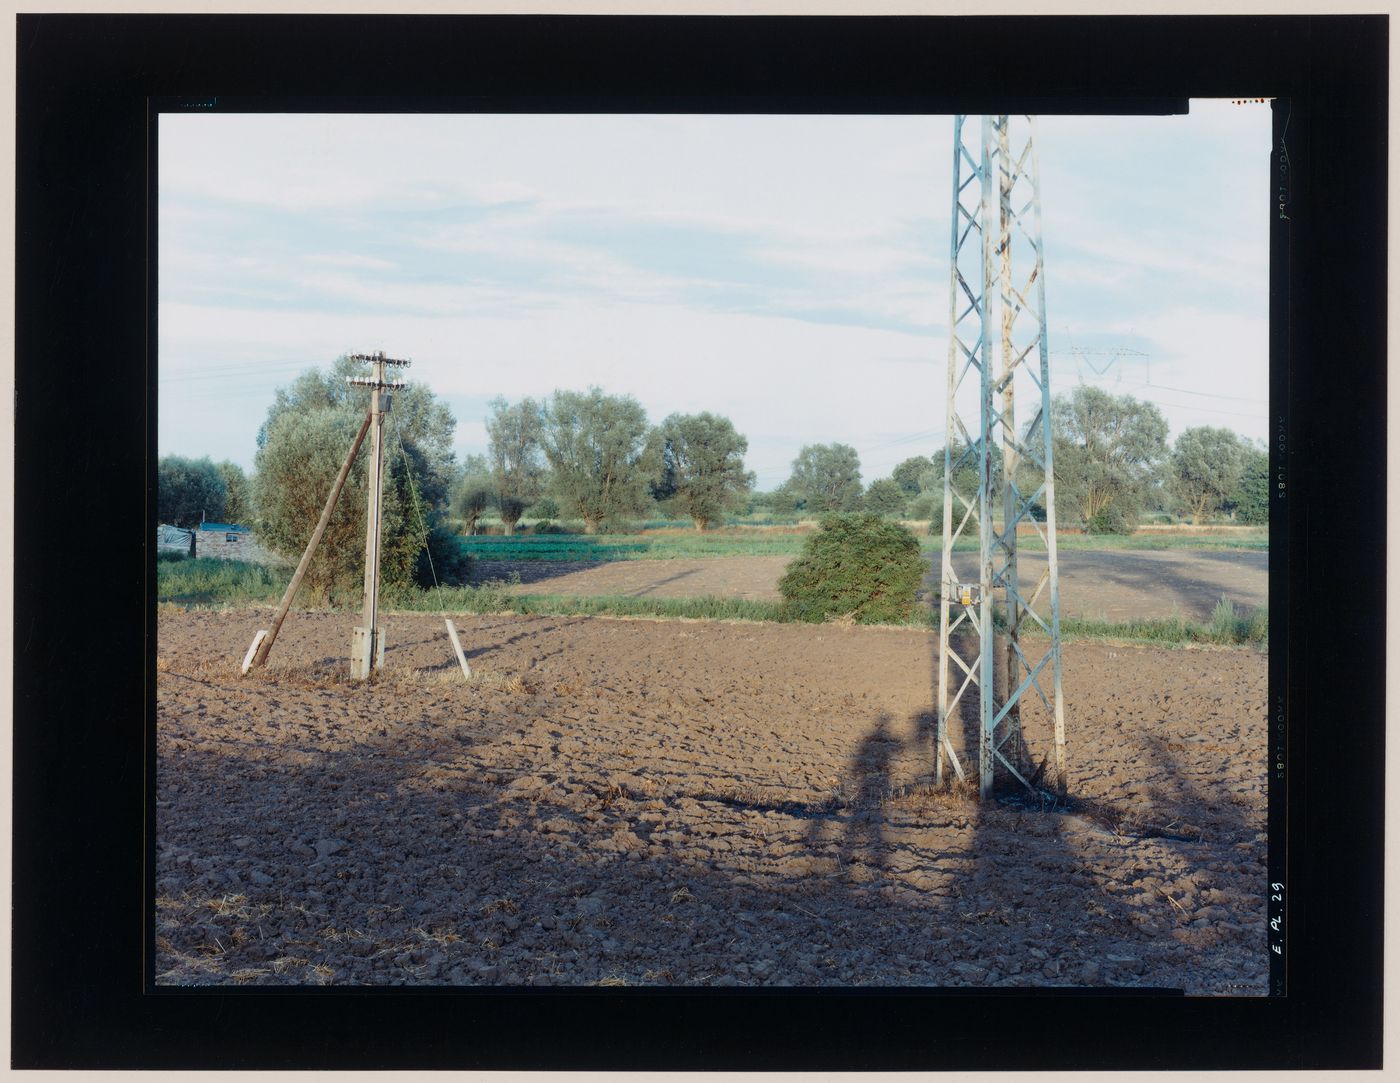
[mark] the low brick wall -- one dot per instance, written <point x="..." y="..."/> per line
<point x="216" y="543"/>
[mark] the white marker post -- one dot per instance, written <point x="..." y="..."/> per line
<point x="457" y="646"/>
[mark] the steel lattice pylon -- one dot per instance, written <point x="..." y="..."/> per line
<point x="996" y="232"/>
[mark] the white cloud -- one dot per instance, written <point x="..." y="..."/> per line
<point x="431" y="298"/>
<point x="801" y="381"/>
<point x="750" y="172"/>
<point x="847" y="213"/>
<point x="850" y="258"/>
<point x="350" y="259"/>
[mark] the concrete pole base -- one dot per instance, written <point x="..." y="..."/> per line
<point x="366" y="652"/>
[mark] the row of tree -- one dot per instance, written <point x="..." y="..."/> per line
<point x="595" y="457"/>
<point x="587" y="455"/>
<point x="1112" y="464"/>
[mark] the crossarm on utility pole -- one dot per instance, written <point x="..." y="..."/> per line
<point x="260" y="656"/>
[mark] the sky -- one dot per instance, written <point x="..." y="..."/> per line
<point x="788" y="272"/>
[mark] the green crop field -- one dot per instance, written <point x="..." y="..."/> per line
<point x="608" y="547"/>
<point x="629" y="546"/>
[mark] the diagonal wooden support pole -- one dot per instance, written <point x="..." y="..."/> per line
<point x="262" y="649"/>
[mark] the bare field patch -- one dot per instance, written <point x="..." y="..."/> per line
<point x="1107" y="584"/>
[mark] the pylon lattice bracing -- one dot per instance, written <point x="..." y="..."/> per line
<point x="997" y="270"/>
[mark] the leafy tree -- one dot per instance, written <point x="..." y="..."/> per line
<point x="1206" y="465"/>
<point x="784" y="501"/>
<point x="238" y="500"/>
<point x="663" y="484"/>
<point x="1107" y="449"/>
<point x="966" y="477"/>
<point x="908" y="473"/>
<point x="297" y="465"/>
<point x="596" y="445"/>
<point x="417" y="422"/>
<point x="308" y="431"/>
<point x="854" y="565"/>
<point x="1158" y="499"/>
<point x="701" y="466"/>
<point x="1250" y="497"/>
<point x="473" y="492"/>
<point x="885" y="497"/>
<point x="189" y="490"/>
<point x="516" y="460"/>
<point x="546" y="507"/>
<point x="827" y="477"/>
<point x="929" y="503"/>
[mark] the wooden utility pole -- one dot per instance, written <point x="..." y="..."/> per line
<point x="367" y="641"/>
<point x="367" y="644"/>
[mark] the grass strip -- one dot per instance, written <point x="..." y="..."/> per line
<point x="209" y="582"/>
<point x="1224" y="629"/>
<point x="1171" y="631"/>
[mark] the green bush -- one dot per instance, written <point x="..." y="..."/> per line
<point x="544" y="508"/>
<point x="855" y="565"/>
<point x="1257" y="626"/>
<point x="1228" y="626"/>
<point x="1113" y="519"/>
<point x="1224" y="622"/>
<point x="930" y="506"/>
<point x="935" y="518"/>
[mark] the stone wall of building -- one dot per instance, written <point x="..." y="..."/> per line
<point x="233" y="545"/>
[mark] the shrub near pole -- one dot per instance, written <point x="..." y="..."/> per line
<point x="858" y="566"/>
<point x="262" y="643"/>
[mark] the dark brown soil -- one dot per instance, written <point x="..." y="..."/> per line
<point x="1114" y="585"/>
<point x="689" y="803"/>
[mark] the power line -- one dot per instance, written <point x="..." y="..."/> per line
<point x="1192" y="406"/>
<point x="1201" y="394"/>
<point x="1114" y="353"/>
<point x="1207" y="409"/>
<point x="1205" y="394"/>
<point x="927" y="434"/>
<point x="234" y="371"/>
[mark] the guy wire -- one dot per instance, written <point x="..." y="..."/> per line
<point x="422" y="523"/>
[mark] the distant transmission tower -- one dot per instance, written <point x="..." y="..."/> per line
<point x="997" y="252"/>
<point x="1108" y="356"/>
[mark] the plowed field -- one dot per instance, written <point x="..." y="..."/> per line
<point x="689" y="803"/>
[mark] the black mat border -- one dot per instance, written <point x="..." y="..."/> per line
<point x="85" y="453"/>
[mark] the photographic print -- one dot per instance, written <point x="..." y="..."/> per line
<point x="704" y="550"/>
